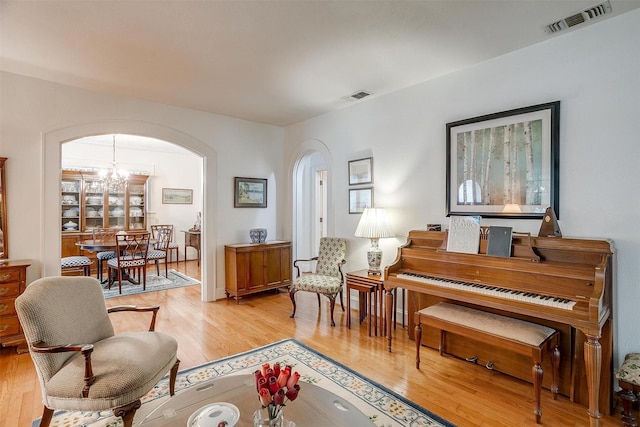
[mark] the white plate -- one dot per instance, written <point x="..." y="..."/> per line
<point x="211" y="415"/>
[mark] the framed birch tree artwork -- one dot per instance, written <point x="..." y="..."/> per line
<point x="504" y="164"/>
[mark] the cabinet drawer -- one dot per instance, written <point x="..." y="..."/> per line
<point x="9" y="326"/>
<point x="10" y="275"/>
<point x="9" y="289"/>
<point x="7" y="307"/>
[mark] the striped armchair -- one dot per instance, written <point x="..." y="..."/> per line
<point x="327" y="279"/>
<point x="82" y="365"/>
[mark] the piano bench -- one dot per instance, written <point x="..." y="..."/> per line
<point x="515" y="335"/>
<point x="629" y="381"/>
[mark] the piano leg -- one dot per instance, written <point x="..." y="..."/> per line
<point x="389" y="304"/>
<point x="593" y="363"/>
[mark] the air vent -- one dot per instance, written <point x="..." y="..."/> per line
<point x="359" y="95"/>
<point x="579" y="18"/>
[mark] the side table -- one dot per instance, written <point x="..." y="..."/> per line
<point x="371" y="287"/>
<point x="191" y="238"/>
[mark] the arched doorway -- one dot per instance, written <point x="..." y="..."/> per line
<point x="52" y="142"/>
<point x="312" y="200"/>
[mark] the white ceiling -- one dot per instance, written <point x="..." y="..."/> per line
<point x="274" y="62"/>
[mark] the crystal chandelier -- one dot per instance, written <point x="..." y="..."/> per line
<point x="114" y="179"/>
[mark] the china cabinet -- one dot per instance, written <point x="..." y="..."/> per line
<point x="86" y="204"/>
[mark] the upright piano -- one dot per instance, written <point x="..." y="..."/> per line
<point x="565" y="283"/>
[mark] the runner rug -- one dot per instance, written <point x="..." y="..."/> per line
<point x="384" y="407"/>
<point x="154" y="283"/>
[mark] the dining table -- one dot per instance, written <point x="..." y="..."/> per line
<point x="107" y="244"/>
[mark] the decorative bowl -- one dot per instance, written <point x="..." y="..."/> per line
<point x="213" y="414"/>
<point x="258" y="235"/>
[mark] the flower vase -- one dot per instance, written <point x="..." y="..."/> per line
<point x="261" y="418"/>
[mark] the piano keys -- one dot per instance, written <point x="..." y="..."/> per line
<point x="548" y="279"/>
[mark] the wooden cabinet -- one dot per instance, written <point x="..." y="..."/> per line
<point x="86" y="205"/>
<point x="256" y="267"/>
<point x="13" y="281"/>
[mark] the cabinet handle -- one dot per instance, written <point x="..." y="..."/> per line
<point x="4" y="307"/>
<point x="4" y="277"/>
<point x="3" y="328"/>
<point x="4" y="291"/>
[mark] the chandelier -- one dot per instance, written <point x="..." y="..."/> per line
<point x="114" y="179"/>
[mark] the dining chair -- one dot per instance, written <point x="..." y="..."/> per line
<point x="72" y="263"/>
<point x="82" y="365"/>
<point x="173" y="246"/>
<point x="327" y="279"/>
<point x="131" y="258"/>
<point x="160" y="250"/>
<point x="101" y="235"/>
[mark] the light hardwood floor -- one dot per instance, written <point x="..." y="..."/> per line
<point x="464" y="394"/>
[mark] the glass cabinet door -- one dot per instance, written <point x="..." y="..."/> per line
<point x="94" y="204"/>
<point x="70" y="211"/>
<point x="137" y="210"/>
<point x="116" y="205"/>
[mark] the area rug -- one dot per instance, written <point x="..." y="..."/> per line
<point x="175" y="279"/>
<point x="384" y="407"/>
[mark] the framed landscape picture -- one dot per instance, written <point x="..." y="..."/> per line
<point x="180" y="196"/>
<point x="504" y="164"/>
<point x="250" y="193"/>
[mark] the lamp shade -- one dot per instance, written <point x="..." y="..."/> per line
<point x="373" y="224"/>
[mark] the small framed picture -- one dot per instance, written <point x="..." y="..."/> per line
<point x="361" y="171"/>
<point x="250" y="193"/>
<point x="180" y="196"/>
<point x="359" y="199"/>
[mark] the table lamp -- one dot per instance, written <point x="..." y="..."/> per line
<point x="373" y="224"/>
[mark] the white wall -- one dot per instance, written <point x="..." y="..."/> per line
<point x="594" y="72"/>
<point x="37" y="116"/>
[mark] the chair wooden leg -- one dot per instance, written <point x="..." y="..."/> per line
<point x="332" y="304"/>
<point x="127" y="412"/>
<point x="47" y="415"/>
<point x="293" y="302"/>
<point x="628" y="399"/>
<point x="318" y="295"/>
<point x="172" y="377"/>
<point x="341" y="300"/>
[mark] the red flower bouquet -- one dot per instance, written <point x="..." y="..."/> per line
<point x="276" y="387"/>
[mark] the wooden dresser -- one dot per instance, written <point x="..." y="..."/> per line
<point x="13" y="281"/>
<point x="256" y="267"/>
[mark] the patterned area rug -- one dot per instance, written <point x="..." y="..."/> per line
<point x="154" y="283"/>
<point x="384" y="407"/>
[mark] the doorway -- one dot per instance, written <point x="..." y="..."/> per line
<point x="312" y="199"/>
<point x="50" y="228"/>
<point x="167" y="166"/>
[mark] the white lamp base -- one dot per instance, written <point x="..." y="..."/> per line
<point x="374" y="258"/>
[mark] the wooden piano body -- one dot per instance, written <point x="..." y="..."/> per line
<point x="578" y="271"/>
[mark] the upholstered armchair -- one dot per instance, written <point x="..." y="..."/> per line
<point x="327" y="278"/>
<point x="81" y="364"/>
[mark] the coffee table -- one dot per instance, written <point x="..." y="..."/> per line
<point x="314" y="406"/>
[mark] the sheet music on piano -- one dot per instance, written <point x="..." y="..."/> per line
<point x="464" y="234"/>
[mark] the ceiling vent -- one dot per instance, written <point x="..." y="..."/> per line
<point x="359" y="95"/>
<point x="579" y="18"/>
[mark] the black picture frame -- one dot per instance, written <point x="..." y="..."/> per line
<point x="359" y="199"/>
<point x="361" y="171"/>
<point x="480" y="178"/>
<point x="249" y="192"/>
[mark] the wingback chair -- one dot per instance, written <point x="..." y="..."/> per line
<point x="327" y="279"/>
<point x="81" y="364"/>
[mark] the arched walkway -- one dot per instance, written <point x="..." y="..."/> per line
<point x="51" y="149"/>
